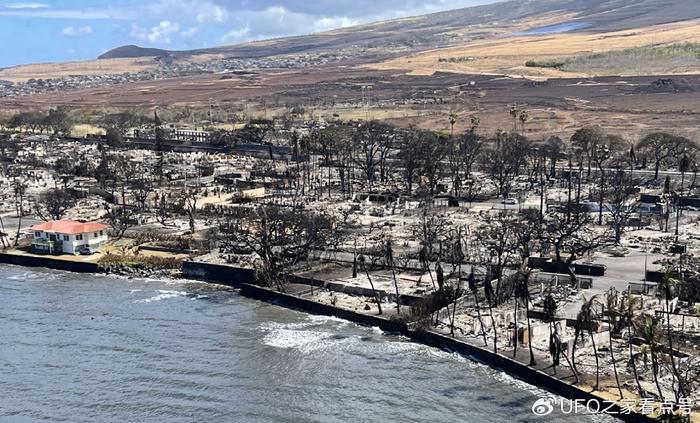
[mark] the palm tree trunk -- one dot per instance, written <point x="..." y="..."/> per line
<point x="612" y="357"/>
<point x="602" y="196"/>
<point x="655" y="371"/>
<point x="455" y="298"/>
<point x="552" y="347"/>
<point x="571" y="366"/>
<point x="329" y="180"/>
<point x="3" y="234"/>
<point x="396" y="286"/>
<point x="529" y="333"/>
<point x="374" y="291"/>
<point x="570" y="362"/>
<point x="478" y="315"/>
<point x="573" y="351"/>
<point x="578" y="187"/>
<point x="633" y="361"/>
<point x="597" y="363"/>
<point x="515" y="321"/>
<point x="669" y="335"/>
<point x="493" y="324"/>
<point x="20" y="212"/>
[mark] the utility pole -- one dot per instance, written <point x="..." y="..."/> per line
<point x="568" y="203"/>
<point x="541" y="171"/>
<point x="364" y="87"/>
<point x="677" y="202"/>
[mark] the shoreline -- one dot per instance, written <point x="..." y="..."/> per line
<point x="240" y="278"/>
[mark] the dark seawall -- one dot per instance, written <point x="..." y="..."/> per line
<point x="50" y="263"/>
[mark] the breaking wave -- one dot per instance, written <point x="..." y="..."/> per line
<point x="163" y="295"/>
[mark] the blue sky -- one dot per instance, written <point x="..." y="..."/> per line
<point x="53" y="30"/>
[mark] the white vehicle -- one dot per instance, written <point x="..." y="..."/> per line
<point x="88" y="251"/>
<point x="510" y="201"/>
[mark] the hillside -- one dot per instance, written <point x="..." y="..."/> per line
<point x="457" y="26"/>
<point x="498" y="38"/>
<point x="653" y="50"/>
<point x="132" y="51"/>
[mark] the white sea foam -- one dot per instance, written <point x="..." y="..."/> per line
<point x="272" y="326"/>
<point x="520" y="384"/>
<point x="304" y="341"/>
<point x="451" y="356"/>
<point x="173" y="281"/>
<point x="26" y="276"/>
<point x="317" y="320"/>
<point x="163" y="295"/>
<point x="305" y="336"/>
<point x="376" y="330"/>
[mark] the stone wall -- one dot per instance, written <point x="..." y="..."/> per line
<point x="50" y="263"/>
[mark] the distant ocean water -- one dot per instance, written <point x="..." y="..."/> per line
<point x="87" y="348"/>
<point x="555" y="29"/>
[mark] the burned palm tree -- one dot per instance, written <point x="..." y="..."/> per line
<point x="522" y="294"/>
<point x="649" y="330"/>
<point x="452" y="293"/>
<point x="612" y="302"/>
<point x="455" y="291"/>
<point x="516" y="301"/>
<point x="490" y="298"/>
<point x="585" y="321"/>
<point x="389" y="261"/>
<point x="471" y="280"/>
<point x="4" y="237"/>
<point x="19" y="187"/>
<point x="362" y="260"/>
<point x="440" y="278"/>
<point x="354" y="260"/>
<point x="556" y="347"/>
<point x="549" y="308"/>
<point x="627" y="308"/>
<point x="425" y="264"/>
<point x="666" y="287"/>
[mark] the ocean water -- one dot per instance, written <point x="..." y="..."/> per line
<point x="555" y="29"/>
<point x="86" y="348"/>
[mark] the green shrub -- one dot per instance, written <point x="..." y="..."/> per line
<point x="554" y="64"/>
<point x="462" y="59"/>
<point x="139" y="261"/>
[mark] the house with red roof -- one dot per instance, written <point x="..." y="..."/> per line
<point x="68" y="236"/>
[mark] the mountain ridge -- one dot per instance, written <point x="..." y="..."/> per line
<point x="429" y="31"/>
<point x="131" y="51"/>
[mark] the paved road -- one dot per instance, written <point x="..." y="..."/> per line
<point x="620" y="272"/>
<point x="10" y="222"/>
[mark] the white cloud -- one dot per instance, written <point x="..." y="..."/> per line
<point x="208" y="21"/>
<point x="236" y="35"/>
<point x="211" y="13"/>
<point x="276" y="21"/>
<point x="73" y="31"/>
<point x="191" y="32"/>
<point x="324" y="24"/>
<point x="158" y="34"/>
<point x="26" y="6"/>
<point x="73" y="14"/>
<point x="201" y="11"/>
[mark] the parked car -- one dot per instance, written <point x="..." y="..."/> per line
<point x="510" y="201"/>
<point x="88" y="251"/>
